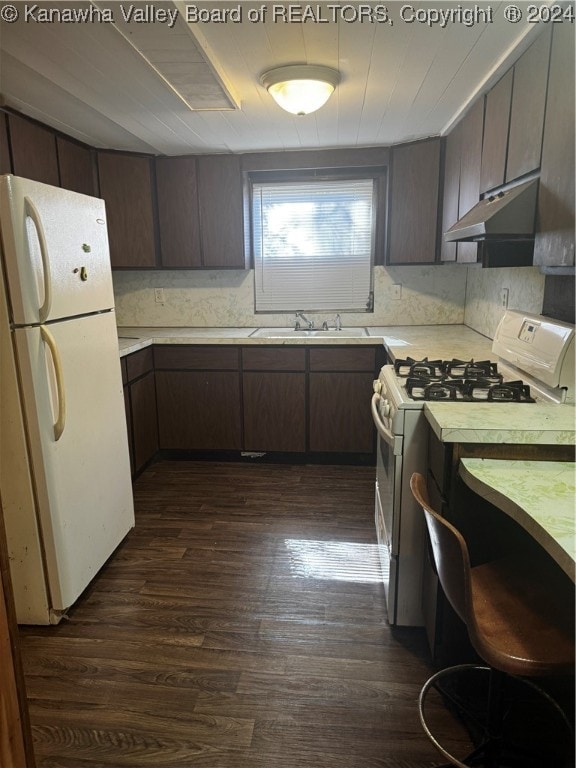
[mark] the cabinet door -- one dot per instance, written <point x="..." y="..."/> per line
<point x="340" y="420"/>
<point x="449" y="251"/>
<point x="528" y="105"/>
<point x="495" y="144"/>
<point x="221" y="211"/>
<point x="33" y="151"/>
<point x="554" y="244"/>
<point x="199" y="410"/>
<point x="128" y="409"/>
<point x="274" y="411"/>
<point x="414" y="203"/>
<point x="126" y="186"/>
<point x="77" y="167"/>
<point x="470" y="163"/>
<point x="5" y="161"/>
<point x="177" y="188"/>
<point x="144" y="420"/>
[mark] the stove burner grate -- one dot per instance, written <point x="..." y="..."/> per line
<point x="468" y="390"/>
<point x="424" y="368"/>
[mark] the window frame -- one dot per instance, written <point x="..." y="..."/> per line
<point x="379" y="175"/>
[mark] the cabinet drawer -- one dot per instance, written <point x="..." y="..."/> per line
<point x="343" y="359"/>
<point x="197" y="358"/>
<point x="274" y="358"/>
<point x="139" y="363"/>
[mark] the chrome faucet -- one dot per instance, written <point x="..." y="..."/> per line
<point x="309" y="323"/>
<point x="338" y="323"/>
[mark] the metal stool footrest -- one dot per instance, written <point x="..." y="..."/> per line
<point x="489" y="743"/>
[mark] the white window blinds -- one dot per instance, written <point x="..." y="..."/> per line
<point x="313" y="244"/>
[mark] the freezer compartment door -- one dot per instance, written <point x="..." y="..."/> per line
<point x="74" y="410"/>
<point x="55" y="249"/>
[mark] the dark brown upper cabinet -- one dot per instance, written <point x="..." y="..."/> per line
<point x="77" y="166"/>
<point x="554" y="246"/>
<point x="126" y="186"/>
<point x="495" y="145"/>
<point x="451" y="194"/>
<point x="414" y="203"/>
<point x="177" y="190"/>
<point x="470" y="161"/>
<point x="5" y="160"/>
<point x="221" y="212"/>
<point x="33" y="151"/>
<point x="528" y="107"/>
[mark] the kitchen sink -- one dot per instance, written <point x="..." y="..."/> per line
<point x="290" y="333"/>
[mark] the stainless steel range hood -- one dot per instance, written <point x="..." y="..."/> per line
<point x="507" y="215"/>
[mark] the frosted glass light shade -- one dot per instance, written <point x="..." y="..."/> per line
<point x="300" y="89"/>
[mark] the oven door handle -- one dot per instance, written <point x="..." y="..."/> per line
<point x="394" y="441"/>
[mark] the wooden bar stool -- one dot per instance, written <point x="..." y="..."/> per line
<point x="518" y="622"/>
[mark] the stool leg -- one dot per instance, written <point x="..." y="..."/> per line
<point x="493" y="744"/>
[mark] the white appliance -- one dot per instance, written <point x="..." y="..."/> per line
<point x="535" y="349"/>
<point x="64" y="466"/>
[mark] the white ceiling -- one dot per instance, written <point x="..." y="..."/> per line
<point x="129" y="85"/>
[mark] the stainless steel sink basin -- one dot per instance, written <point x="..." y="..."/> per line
<point x="290" y="333"/>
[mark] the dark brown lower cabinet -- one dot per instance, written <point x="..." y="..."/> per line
<point x="198" y="395"/>
<point x="340" y="419"/>
<point x="199" y="410"/>
<point x="128" y="410"/>
<point x="274" y="411"/>
<point x="140" y="402"/>
<point x="340" y="389"/>
<point x="144" y="421"/>
<point x="285" y="399"/>
<point x="274" y="398"/>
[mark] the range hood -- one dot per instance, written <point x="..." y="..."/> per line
<point x="506" y="215"/>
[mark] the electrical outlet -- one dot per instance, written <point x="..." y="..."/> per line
<point x="504" y="298"/>
<point x="397" y="291"/>
<point x="159" y="295"/>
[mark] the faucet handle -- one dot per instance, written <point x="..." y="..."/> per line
<point x="324" y="326"/>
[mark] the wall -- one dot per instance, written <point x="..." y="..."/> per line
<point x="483" y="309"/>
<point x="219" y="298"/>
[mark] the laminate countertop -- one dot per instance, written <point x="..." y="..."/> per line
<point x="510" y="423"/>
<point x="436" y="341"/>
<point x="538" y="495"/>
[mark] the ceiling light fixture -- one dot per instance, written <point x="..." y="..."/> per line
<point x="300" y="88"/>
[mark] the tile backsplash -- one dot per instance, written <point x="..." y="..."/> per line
<point x="430" y="295"/>
<point x="218" y="298"/>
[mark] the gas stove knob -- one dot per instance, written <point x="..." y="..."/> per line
<point x="377" y="386"/>
<point x="384" y="408"/>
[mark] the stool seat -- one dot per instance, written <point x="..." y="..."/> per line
<point x="519" y="622"/>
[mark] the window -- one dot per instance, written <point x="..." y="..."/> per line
<point x="313" y="242"/>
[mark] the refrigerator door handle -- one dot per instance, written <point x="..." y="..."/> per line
<point x="31" y="211"/>
<point x="52" y="346"/>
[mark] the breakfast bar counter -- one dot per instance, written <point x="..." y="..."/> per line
<point x="538" y="495"/>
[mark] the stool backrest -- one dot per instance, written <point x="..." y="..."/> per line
<point x="449" y="549"/>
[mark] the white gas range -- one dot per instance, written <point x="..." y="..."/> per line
<point x="533" y="361"/>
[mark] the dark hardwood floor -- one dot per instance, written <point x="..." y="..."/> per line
<point x="242" y="624"/>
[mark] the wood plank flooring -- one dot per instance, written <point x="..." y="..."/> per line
<point x="242" y="624"/>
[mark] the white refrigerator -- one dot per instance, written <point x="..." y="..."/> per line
<point x="65" y="485"/>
